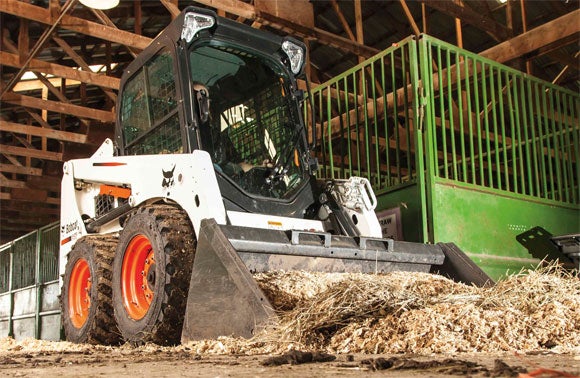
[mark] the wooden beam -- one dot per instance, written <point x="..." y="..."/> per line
<point x="79" y="25"/>
<point x="535" y="39"/>
<point x="322" y="36"/>
<point x="237" y="7"/>
<point x="58" y="107"/>
<point x="41" y="208"/>
<point x="81" y="63"/>
<point x="50" y="183"/>
<point x="7" y="183"/>
<point x="410" y="18"/>
<point x="33" y="153"/>
<point x="64" y="136"/>
<point x="360" y="37"/>
<point x="342" y="20"/>
<point x="24" y="198"/>
<point x="172" y="8"/>
<point x="88" y="77"/>
<point x="25" y="194"/>
<point x="247" y="11"/>
<point x="9" y="168"/>
<point x="496" y="30"/>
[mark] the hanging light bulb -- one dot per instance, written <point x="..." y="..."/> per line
<point x="100" y="4"/>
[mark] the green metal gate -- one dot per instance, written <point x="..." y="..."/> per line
<point x="465" y="149"/>
<point x="29" y="286"/>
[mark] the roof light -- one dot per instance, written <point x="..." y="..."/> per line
<point x="100" y="4"/>
<point x="296" y="55"/>
<point x="193" y="23"/>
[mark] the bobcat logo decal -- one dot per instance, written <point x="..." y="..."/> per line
<point x="168" y="178"/>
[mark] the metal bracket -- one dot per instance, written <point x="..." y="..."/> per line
<point x="326" y="236"/>
<point x="362" y="241"/>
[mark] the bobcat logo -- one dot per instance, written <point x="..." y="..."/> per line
<point x="168" y="178"/>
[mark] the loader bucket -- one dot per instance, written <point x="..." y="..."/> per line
<point x="224" y="299"/>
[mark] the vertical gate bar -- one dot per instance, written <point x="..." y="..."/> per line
<point x="376" y="126"/>
<point x="38" y="284"/>
<point x="576" y="147"/>
<point x="386" y="119"/>
<point x="343" y="128"/>
<point x="534" y="142"/>
<point x="481" y="169"/>
<point x="408" y="122"/>
<point x="442" y="114"/>
<point x="329" y="131"/>
<point x="461" y="116"/>
<point x="396" y="123"/>
<point x="557" y="148"/>
<point x="569" y="149"/>
<point x="513" y="147"/>
<point x="355" y="87"/>
<point x="425" y="156"/>
<point x="11" y="292"/>
<point x="563" y="146"/>
<point x="486" y="110"/>
<point x="518" y="127"/>
<point x="503" y="133"/>
<point x="526" y="124"/>
<point x="468" y="77"/>
<point x="541" y="137"/>
<point x="495" y="128"/>
<point x="367" y="143"/>
<point x="548" y="154"/>
<point x="449" y="71"/>
<point x="348" y="125"/>
<point x="321" y="118"/>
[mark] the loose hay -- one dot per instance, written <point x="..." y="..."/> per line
<point x="422" y="313"/>
<point x="398" y="312"/>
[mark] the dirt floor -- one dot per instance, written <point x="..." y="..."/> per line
<point x="46" y="359"/>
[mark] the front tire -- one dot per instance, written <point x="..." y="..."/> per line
<point x="151" y="274"/>
<point x="86" y="293"/>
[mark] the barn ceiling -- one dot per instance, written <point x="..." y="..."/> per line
<point x="61" y="63"/>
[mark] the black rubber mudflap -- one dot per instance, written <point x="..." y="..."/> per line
<point x="223" y="299"/>
<point x="460" y="268"/>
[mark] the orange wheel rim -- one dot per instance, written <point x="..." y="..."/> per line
<point x="138" y="277"/>
<point x="79" y="293"/>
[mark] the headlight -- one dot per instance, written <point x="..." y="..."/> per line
<point x="193" y="23"/>
<point x="295" y="54"/>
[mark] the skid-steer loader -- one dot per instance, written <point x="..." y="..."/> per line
<point x="209" y="179"/>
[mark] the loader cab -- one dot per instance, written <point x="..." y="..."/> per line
<point x="230" y="90"/>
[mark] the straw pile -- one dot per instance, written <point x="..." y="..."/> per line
<point x="423" y="313"/>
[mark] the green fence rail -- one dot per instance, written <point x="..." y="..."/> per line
<point x="498" y="128"/>
<point x="486" y="124"/>
<point x="365" y="119"/>
<point x="29" y="285"/>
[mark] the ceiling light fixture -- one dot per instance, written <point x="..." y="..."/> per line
<point x="100" y="4"/>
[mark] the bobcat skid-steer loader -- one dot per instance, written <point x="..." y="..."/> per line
<point x="209" y="179"/>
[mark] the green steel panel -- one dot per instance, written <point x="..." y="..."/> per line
<point x="408" y="199"/>
<point x="484" y="224"/>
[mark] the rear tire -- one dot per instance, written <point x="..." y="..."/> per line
<point x="151" y="274"/>
<point x="87" y="312"/>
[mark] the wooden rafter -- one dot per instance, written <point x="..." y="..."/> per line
<point x="76" y="24"/>
<point x="58" y="107"/>
<point x="92" y="78"/>
<point x="50" y="133"/>
<point x="536" y="38"/>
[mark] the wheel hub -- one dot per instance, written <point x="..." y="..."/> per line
<point x="138" y="277"/>
<point x="79" y="293"/>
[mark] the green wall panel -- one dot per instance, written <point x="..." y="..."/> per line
<point x="485" y="224"/>
<point x="407" y="199"/>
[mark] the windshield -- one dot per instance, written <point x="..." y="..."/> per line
<point x="248" y="120"/>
